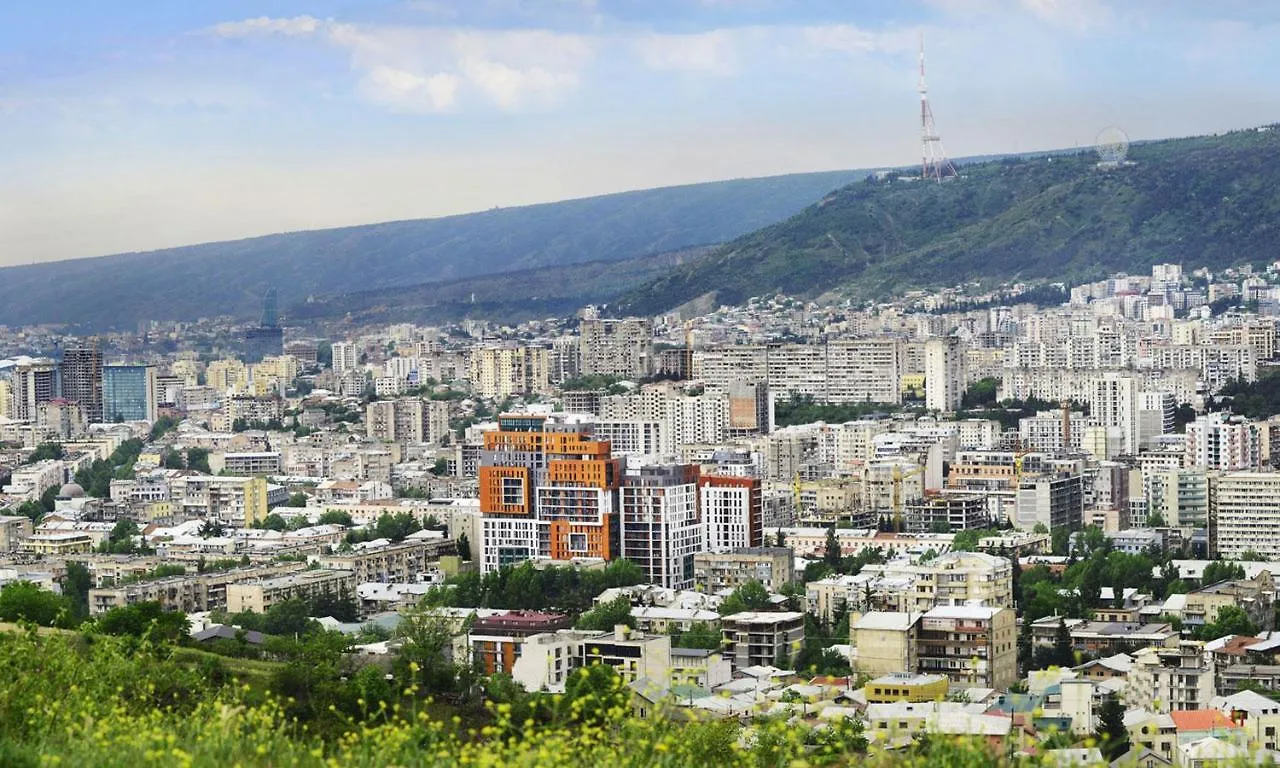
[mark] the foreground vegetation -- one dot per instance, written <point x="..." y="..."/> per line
<point x="90" y="700"/>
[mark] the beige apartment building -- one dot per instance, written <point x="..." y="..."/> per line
<point x="773" y="567"/>
<point x="258" y="596"/>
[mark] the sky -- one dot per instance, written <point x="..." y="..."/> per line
<point x="152" y="123"/>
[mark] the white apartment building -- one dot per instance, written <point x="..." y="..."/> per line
<point x="1218" y="441"/>
<point x="346" y="357"/>
<point x="945" y="378"/>
<point x="661" y="528"/>
<point x="1244" y="514"/>
<point x="731" y="513"/>
<point x="1166" y="679"/>
<point x="844" y="371"/>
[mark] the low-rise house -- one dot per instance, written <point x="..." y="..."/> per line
<point x="547" y="660"/>
<point x="496" y="642"/>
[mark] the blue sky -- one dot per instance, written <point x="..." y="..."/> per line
<point x="149" y="123"/>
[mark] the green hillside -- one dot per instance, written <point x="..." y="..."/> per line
<point x="230" y="278"/>
<point x="1209" y="201"/>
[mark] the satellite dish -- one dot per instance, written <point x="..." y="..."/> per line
<point x="1112" y="146"/>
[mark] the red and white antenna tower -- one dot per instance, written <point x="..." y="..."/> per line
<point x="934" y="163"/>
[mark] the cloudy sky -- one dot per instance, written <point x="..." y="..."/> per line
<point x="148" y="123"/>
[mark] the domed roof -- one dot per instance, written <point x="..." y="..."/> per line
<point x="71" y="491"/>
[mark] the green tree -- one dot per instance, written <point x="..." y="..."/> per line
<point x="698" y="635"/>
<point x="1221" y="570"/>
<point x="273" y="522"/>
<point x="46" y="452"/>
<point x="76" y="584"/>
<point x="464" y="547"/>
<point x="172" y="459"/>
<point x="593" y="695"/>
<point x="336" y="517"/>
<point x="298" y="499"/>
<point x="24" y="601"/>
<point x="147" y="619"/>
<point x="831" y="551"/>
<point x="751" y="596"/>
<point x="1230" y="620"/>
<point x="606" y="616"/>
<point x="288" y="617"/>
<point x="198" y="459"/>
<point x="1063" y="651"/>
<point x="1112" y="735"/>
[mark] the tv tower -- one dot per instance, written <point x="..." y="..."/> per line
<point x="933" y="163"/>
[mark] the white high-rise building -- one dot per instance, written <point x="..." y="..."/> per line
<point x="1244" y="514"/>
<point x="345" y="357"/>
<point x="944" y="374"/>
<point x="1216" y="441"/>
<point x="731" y="512"/>
<point x="661" y="527"/>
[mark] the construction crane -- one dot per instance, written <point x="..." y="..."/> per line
<point x="898" y="477"/>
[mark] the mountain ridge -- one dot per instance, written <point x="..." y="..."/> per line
<point x="1207" y="201"/>
<point x="229" y="277"/>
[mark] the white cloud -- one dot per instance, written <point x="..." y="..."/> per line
<point x="1080" y="15"/>
<point x="299" y="26"/>
<point x="409" y="92"/>
<point x="435" y="69"/>
<point x="714" y="52"/>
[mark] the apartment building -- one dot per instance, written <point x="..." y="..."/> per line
<point x="14" y="529"/>
<point x="1217" y="441"/>
<point x="1179" y="496"/>
<point x="546" y="490"/>
<point x="762" y="638"/>
<point x="250" y="463"/>
<point x="1244" y="514"/>
<point x="616" y="347"/>
<point x="189" y="593"/>
<point x="715" y="572"/>
<point x="839" y="371"/>
<point x="731" y="512"/>
<point x="500" y="372"/>
<point x="229" y="499"/>
<point x="497" y="642"/>
<point x="547" y="660"/>
<point x="407" y="420"/>
<point x="385" y="562"/>
<point x="970" y="645"/>
<point x="1054" y="501"/>
<point x="885" y="643"/>
<point x="258" y="596"/>
<point x="1166" y="679"/>
<point x="662" y="528"/>
<point x="945" y="377"/>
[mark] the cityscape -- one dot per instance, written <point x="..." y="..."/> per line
<point x="949" y="460"/>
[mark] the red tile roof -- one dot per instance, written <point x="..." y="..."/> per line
<point x="1200" y="720"/>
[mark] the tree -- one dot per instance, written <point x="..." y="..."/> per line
<point x="336" y="517"/>
<point x="273" y="522"/>
<point x="780" y="539"/>
<point x="299" y="499"/>
<point x="172" y="459"/>
<point x="606" y="616"/>
<point x="593" y="695"/>
<point x="1221" y="570"/>
<point x="288" y="617"/>
<point x="1112" y="735"/>
<point x="212" y="529"/>
<point x="46" y="452"/>
<point x="76" y="585"/>
<point x="24" y="601"/>
<point x="198" y="459"/>
<point x="148" y="619"/>
<point x="751" y="596"/>
<point x="464" y="547"/>
<point x="1061" y="540"/>
<point x="1063" y="651"/>
<point x="831" y="552"/>
<point x="699" y="635"/>
<point x="1155" y="520"/>
<point x="1230" y="620"/>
